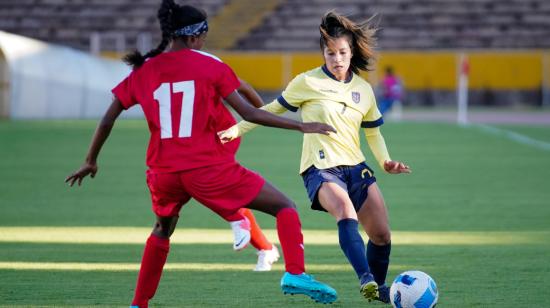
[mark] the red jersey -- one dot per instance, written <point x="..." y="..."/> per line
<point x="180" y="93"/>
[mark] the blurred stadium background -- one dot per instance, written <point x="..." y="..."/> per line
<point x="474" y="214"/>
<point x="268" y="42"/>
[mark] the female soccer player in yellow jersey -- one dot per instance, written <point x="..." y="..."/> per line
<point x="333" y="167"/>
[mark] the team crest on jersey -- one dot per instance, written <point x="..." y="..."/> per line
<point x="356" y="97"/>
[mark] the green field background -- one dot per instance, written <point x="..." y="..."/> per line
<point x="464" y="180"/>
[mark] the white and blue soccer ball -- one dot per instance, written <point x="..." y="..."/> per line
<point x="413" y="289"/>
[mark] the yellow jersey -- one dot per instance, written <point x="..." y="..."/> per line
<point x="345" y="105"/>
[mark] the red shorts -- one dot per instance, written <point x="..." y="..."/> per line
<point x="233" y="145"/>
<point x="223" y="188"/>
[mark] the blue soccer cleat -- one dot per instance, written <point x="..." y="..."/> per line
<point x="369" y="287"/>
<point x="307" y="285"/>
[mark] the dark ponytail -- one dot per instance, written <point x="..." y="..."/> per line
<point x="164" y="15"/>
<point x="362" y="38"/>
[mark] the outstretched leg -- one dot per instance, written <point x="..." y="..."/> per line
<point x="289" y="229"/>
<point x="235" y="186"/>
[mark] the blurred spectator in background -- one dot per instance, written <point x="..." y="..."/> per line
<point x="392" y="91"/>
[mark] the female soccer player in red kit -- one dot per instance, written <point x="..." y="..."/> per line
<point x="180" y="92"/>
<point x="245" y="228"/>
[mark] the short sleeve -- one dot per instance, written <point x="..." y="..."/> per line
<point x="226" y="81"/>
<point x="124" y="91"/>
<point x="295" y="93"/>
<point x="373" y="117"/>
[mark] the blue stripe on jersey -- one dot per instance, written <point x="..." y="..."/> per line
<point x="371" y="124"/>
<point x="285" y="104"/>
<point x="348" y="78"/>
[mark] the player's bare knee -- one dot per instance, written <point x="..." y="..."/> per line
<point x="164" y="227"/>
<point x="161" y="231"/>
<point x="381" y="238"/>
<point x="346" y="211"/>
<point x="284" y="205"/>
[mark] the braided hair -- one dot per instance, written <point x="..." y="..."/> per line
<point x="171" y="17"/>
<point x="361" y="38"/>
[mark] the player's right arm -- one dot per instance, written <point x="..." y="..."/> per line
<point x="101" y="134"/>
<point x="243" y="127"/>
<point x="262" y="117"/>
<point x="292" y="97"/>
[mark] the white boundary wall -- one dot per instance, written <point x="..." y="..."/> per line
<point x="46" y="81"/>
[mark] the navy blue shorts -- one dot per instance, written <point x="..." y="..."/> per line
<point x="353" y="179"/>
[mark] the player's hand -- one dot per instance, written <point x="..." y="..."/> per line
<point x="80" y="174"/>
<point x="316" y="128"/>
<point x="396" y="167"/>
<point x="228" y="134"/>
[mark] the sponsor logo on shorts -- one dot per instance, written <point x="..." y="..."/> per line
<point x="365" y="171"/>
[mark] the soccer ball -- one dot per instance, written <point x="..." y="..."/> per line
<point x="413" y="289"/>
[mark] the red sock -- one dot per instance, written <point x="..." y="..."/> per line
<point x="289" y="230"/>
<point x="154" y="257"/>
<point x="257" y="237"/>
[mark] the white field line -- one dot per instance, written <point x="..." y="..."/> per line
<point x="123" y="267"/>
<point x="517" y="137"/>
<point x="123" y="235"/>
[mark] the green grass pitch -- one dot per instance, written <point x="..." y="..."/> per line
<point x="474" y="214"/>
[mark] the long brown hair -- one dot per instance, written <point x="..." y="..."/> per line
<point x="362" y="38"/>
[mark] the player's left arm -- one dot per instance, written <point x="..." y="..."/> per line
<point x="371" y="123"/>
<point x="377" y="144"/>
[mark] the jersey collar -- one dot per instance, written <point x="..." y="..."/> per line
<point x="328" y="73"/>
